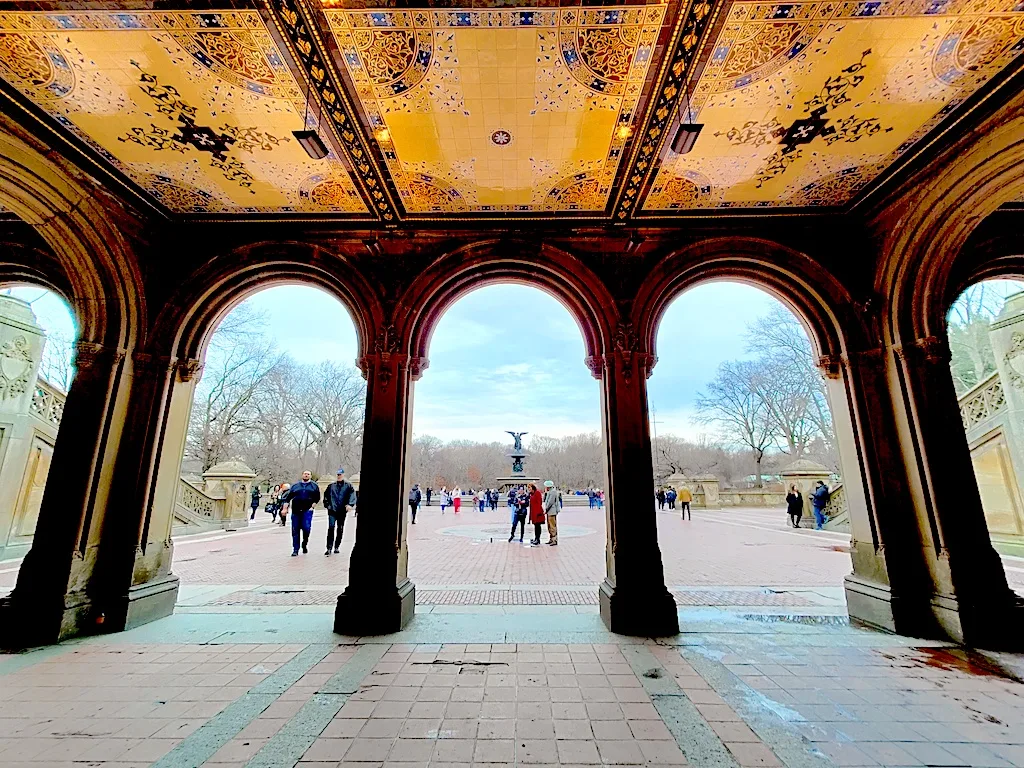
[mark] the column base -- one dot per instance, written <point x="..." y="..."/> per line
<point x="648" y="613"/>
<point x="32" y="623"/>
<point x="151" y="600"/>
<point x="376" y="612"/>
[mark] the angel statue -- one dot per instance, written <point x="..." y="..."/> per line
<point x="518" y="437"/>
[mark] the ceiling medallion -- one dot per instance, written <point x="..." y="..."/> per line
<point x="501" y="138"/>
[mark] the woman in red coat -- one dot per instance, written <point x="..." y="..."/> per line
<point x="536" y="513"/>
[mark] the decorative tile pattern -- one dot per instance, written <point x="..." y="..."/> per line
<point x="197" y="109"/>
<point x="500" y="110"/>
<point x="806" y="103"/>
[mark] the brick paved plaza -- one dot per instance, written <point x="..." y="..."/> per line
<point x="735" y="557"/>
<point x="508" y="664"/>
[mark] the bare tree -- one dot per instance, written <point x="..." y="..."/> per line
<point x="968" y="321"/>
<point x="732" y="402"/>
<point x="58" y="362"/>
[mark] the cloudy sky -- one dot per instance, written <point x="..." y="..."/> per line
<point x="511" y="357"/>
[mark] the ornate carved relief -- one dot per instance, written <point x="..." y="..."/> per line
<point x="189" y="368"/>
<point x="831" y="366"/>
<point x="1014" y="359"/>
<point x="625" y="341"/>
<point x="15" y="366"/>
<point x="89" y="354"/>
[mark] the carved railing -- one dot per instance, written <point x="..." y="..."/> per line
<point x="47" y="403"/>
<point x="837" y="505"/>
<point x="193" y="505"/>
<point x="982" y="401"/>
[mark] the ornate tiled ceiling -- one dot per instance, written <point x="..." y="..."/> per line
<point x="490" y="112"/>
<point x="198" y="109"/>
<point x="806" y="103"/>
<point x="500" y="110"/>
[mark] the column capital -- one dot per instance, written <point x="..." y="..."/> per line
<point x="417" y="365"/>
<point x="930" y="349"/>
<point x="90" y="354"/>
<point x="143" y="363"/>
<point x="831" y="366"/>
<point x="189" y="368"/>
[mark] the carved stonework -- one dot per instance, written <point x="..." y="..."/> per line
<point x="935" y="350"/>
<point x="1014" y="359"/>
<point x="596" y="365"/>
<point x="145" y="364"/>
<point x="831" y="366"/>
<point x="16" y="364"/>
<point x="189" y="369"/>
<point x="625" y="341"/>
<point x="385" y="345"/>
<point x="417" y="365"/>
<point x="90" y="354"/>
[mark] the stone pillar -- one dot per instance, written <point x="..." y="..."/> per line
<point x="708" y="485"/>
<point x="634" y="599"/>
<point x="26" y="441"/>
<point x="805" y="474"/>
<point x="970" y="599"/>
<point x="380" y="598"/>
<point x="136" y="584"/>
<point x="231" y="481"/>
<point x="52" y="599"/>
<point x="1006" y="334"/>
<point x="888" y="587"/>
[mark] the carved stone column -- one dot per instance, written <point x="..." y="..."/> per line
<point x="634" y="599"/>
<point x="379" y="597"/>
<point x="53" y="596"/>
<point x="888" y="586"/>
<point x="970" y="599"/>
<point x="136" y="555"/>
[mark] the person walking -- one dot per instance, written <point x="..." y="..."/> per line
<point x="445" y="498"/>
<point x="302" y="496"/>
<point x="551" y="510"/>
<point x="819" y="500"/>
<point x="660" y="496"/>
<point x="794" y="506"/>
<point x="670" y="497"/>
<point x="684" y="498"/>
<point x="481" y="499"/>
<point x="456" y="499"/>
<point x="255" y="503"/>
<point x="520" y="506"/>
<point x="283" y="504"/>
<point x="414" y="501"/>
<point x="591" y="497"/>
<point x="430" y="492"/>
<point x="536" y="513"/>
<point x="338" y="497"/>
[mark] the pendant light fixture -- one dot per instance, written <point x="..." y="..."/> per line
<point x="310" y="140"/>
<point x="687" y="133"/>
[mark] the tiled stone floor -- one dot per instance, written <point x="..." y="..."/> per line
<point x="281" y="690"/>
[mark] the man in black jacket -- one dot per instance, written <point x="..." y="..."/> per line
<point x="338" y="497"/>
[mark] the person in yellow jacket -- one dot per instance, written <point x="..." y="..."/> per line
<point x="684" y="498"/>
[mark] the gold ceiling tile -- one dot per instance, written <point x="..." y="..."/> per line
<point x="493" y="110"/>
<point x="197" y="108"/>
<point x="806" y="103"/>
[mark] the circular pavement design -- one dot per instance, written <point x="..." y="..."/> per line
<point x="483" y="532"/>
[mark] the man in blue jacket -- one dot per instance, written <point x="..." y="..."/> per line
<point x="338" y="497"/>
<point x="819" y="500"/>
<point x="302" y="496"/>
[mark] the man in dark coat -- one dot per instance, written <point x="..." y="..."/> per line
<point x="338" y="497"/>
<point x="302" y="496"/>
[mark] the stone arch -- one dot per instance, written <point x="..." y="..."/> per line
<point x="100" y="276"/>
<point x="193" y="313"/>
<point x="560" y="274"/>
<point x="925" y="231"/>
<point x="818" y="300"/>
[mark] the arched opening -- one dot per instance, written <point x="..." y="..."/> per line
<point x="275" y="392"/>
<point x="38" y="332"/>
<point x="985" y="327"/>
<point x="505" y="356"/>
<point x="740" y="413"/>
